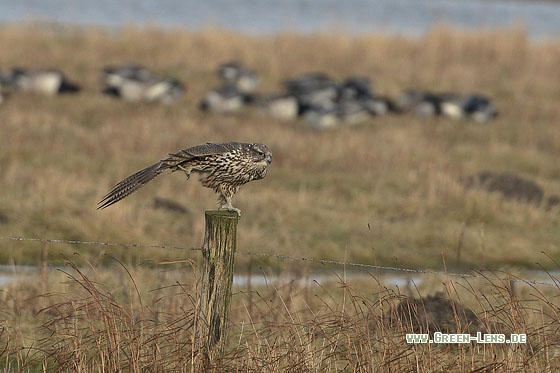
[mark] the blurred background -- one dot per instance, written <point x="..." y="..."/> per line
<point x="411" y="18"/>
<point x="413" y="127"/>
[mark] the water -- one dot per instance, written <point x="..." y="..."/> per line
<point x="324" y="278"/>
<point x="538" y="278"/>
<point x="10" y="273"/>
<point x="405" y="17"/>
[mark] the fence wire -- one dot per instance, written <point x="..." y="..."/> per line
<point x="478" y="274"/>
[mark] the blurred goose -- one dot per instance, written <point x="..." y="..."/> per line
<point x="224" y="99"/>
<point x="422" y="103"/>
<point x="114" y="76"/>
<point x="280" y="106"/>
<point x="312" y="91"/>
<point x="320" y="118"/>
<point x="242" y="78"/>
<point x="44" y="81"/>
<point x="308" y="82"/>
<point x="480" y="108"/>
<point x="344" y="113"/>
<point x="359" y="91"/>
<point x="355" y="88"/>
<point x="474" y="106"/>
<point x="380" y="105"/>
<point x="352" y="112"/>
<point x="134" y="83"/>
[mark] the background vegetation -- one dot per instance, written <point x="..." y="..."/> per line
<point x="389" y="184"/>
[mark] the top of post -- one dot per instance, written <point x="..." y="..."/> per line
<point x="222" y="214"/>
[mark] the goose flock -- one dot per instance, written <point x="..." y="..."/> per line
<point x="327" y="103"/>
<point x="321" y="101"/>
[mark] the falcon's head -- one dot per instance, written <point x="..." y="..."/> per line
<point x="260" y="153"/>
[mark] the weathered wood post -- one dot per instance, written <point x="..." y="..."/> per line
<point x="218" y="251"/>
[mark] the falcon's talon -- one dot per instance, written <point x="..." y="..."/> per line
<point x="230" y="209"/>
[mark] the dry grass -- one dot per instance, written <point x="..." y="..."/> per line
<point x="390" y="184"/>
<point x="144" y="319"/>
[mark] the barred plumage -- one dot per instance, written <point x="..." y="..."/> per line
<point x="221" y="167"/>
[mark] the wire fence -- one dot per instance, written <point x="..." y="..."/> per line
<point x="420" y="271"/>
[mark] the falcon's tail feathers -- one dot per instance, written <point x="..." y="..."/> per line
<point x="131" y="184"/>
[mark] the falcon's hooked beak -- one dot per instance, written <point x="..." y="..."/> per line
<point x="268" y="159"/>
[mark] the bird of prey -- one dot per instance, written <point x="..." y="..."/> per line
<point x="221" y="167"/>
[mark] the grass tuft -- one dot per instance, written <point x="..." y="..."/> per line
<point x="144" y="319"/>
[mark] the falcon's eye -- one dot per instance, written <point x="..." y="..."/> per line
<point x="259" y="152"/>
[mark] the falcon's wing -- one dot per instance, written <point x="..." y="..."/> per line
<point x="208" y="149"/>
<point x="131" y="184"/>
<point x="199" y="151"/>
<point x="134" y="182"/>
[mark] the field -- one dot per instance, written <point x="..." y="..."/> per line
<point x="386" y="192"/>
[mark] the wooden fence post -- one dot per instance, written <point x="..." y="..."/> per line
<point x="218" y="251"/>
